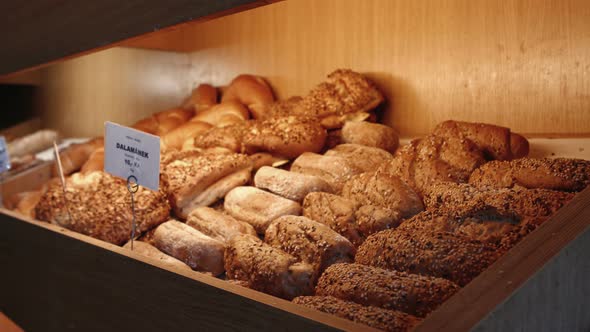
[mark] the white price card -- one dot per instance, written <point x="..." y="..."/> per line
<point x="4" y="157"/>
<point x="132" y="154"/>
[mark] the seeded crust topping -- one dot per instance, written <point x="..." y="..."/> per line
<point x="557" y="174"/>
<point x="411" y="293"/>
<point x="429" y="252"/>
<point x="383" y="319"/>
<point x="100" y="206"/>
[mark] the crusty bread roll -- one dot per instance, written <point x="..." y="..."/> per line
<point x="519" y="146"/>
<point x="291" y="185"/>
<point x="175" y="139"/>
<point x="100" y="207"/>
<point x="223" y="114"/>
<point x="150" y="251"/>
<point x="202" y="179"/>
<point x="370" y="134"/>
<point x="556" y="174"/>
<point x="95" y="162"/>
<point x="379" y="318"/>
<point x="267" y="269"/>
<point x="32" y="143"/>
<point x="187" y="244"/>
<point x="26" y="205"/>
<point x="252" y="91"/>
<point x="202" y="97"/>
<point x="218" y="225"/>
<point x="76" y="155"/>
<point x="309" y="241"/>
<point x="334" y="170"/>
<point x="261" y="159"/>
<point x="230" y="137"/>
<point x="411" y="293"/>
<point x="423" y="251"/>
<point x="163" y="122"/>
<point x="288" y="136"/>
<point x="148" y="125"/>
<point x="363" y="157"/>
<point x="258" y="207"/>
<point x="384" y="190"/>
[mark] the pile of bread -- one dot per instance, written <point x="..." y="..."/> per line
<point x="310" y="200"/>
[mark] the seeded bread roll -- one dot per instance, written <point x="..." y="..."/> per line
<point x="252" y="91"/>
<point x="309" y="241"/>
<point x="555" y="174"/>
<point x="363" y="157"/>
<point x="428" y="252"/>
<point x="336" y="212"/>
<point x="410" y="293"/>
<point x="384" y="190"/>
<point x="383" y="319"/>
<point x="187" y="244"/>
<point x="218" y="225"/>
<point x="291" y="185"/>
<point x="433" y="159"/>
<point x="332" y="169"/>
<point x="370" y="134"/>
<point x="202" y="97"/>
<point x="267" y="269"/>
<point x="100" y="207"/>
<point x="258" y="207"/>
<point x="230" y="137"/>
<point x="203" y="179"/>
<point x="150" y="251"/>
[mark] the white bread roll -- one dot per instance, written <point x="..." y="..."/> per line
<point x="291" y="185"/>
<point x="150" y="251"/>
<point x="218" y="225"/>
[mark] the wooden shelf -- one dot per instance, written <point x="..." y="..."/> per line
<point x="34" y="33"/>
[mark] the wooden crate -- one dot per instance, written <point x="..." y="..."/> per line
<point x="524" y="64"/>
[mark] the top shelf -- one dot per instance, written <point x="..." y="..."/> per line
<point x="38" y="32"/>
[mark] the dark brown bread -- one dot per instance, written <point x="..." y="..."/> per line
<point x="383" y="319"/>
<point x="100" y="207"/>
<point x="309" y="241"/>
<point x="267" y="269"/>
<point x="411" y="293"/>
<point x="428" y="252"/>
<point x="556" y="174"/>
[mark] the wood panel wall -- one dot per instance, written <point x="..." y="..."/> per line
<point x="519" y="63"/>
<point x="120" y="85"/>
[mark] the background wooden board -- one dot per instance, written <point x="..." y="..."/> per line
<point x="41" y="31"/>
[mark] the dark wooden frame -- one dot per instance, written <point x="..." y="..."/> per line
<point x="38" y="32"/>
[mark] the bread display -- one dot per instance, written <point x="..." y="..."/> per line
<point x="309" y="241"/>
<point x="202" y="97"/>
<point x="218" y="225"/>
<point x="555" y="174"/>
<point x="195" y="249"/>
<point x="163" y="122"/>
<point x="370" y="134"/>
<point x="176" y="138"/>
<point x="224" y="114"/>
<point x="371" y="286"/>
<point x="148" y="250"/>
<point x="267" y="269"/>
<point x="203" y="179"/>
<point x="379" y="318"/>
<point x="99" y="205"/>
<point x="334" y="170"/>
<point x="76" y="155"/>
<point x="257" y="207"/>
<point x="428" y="252"/>
<point x="291" y="185"/>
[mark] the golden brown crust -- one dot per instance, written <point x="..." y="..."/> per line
<point x="291" y="185"/>
<point x="363" y="157"/>
<point x="175" y="139"/>
<point x="252" y="91"/>
<point x="335" y="170"/>
<point x="76" y="155"/>
<point x="370" y="134"/>
<point x="217" y="224"/>
<point x="411" y="293"/>
<point x="309" y="241"/>
<point x="202" y="97"/>
<point x="428" y="252"/>
<point x="383" y="319"/>
<point x="223" y="114"/>
<point x="267" y="269"/>
<point x="555" y="174"/>
<point x="100" y="207"/>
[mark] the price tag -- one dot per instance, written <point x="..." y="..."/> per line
<point x="132" y="153"/>
<point x="4" y="157"/>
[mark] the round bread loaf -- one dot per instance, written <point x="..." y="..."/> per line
<point x="370" y="134"/>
